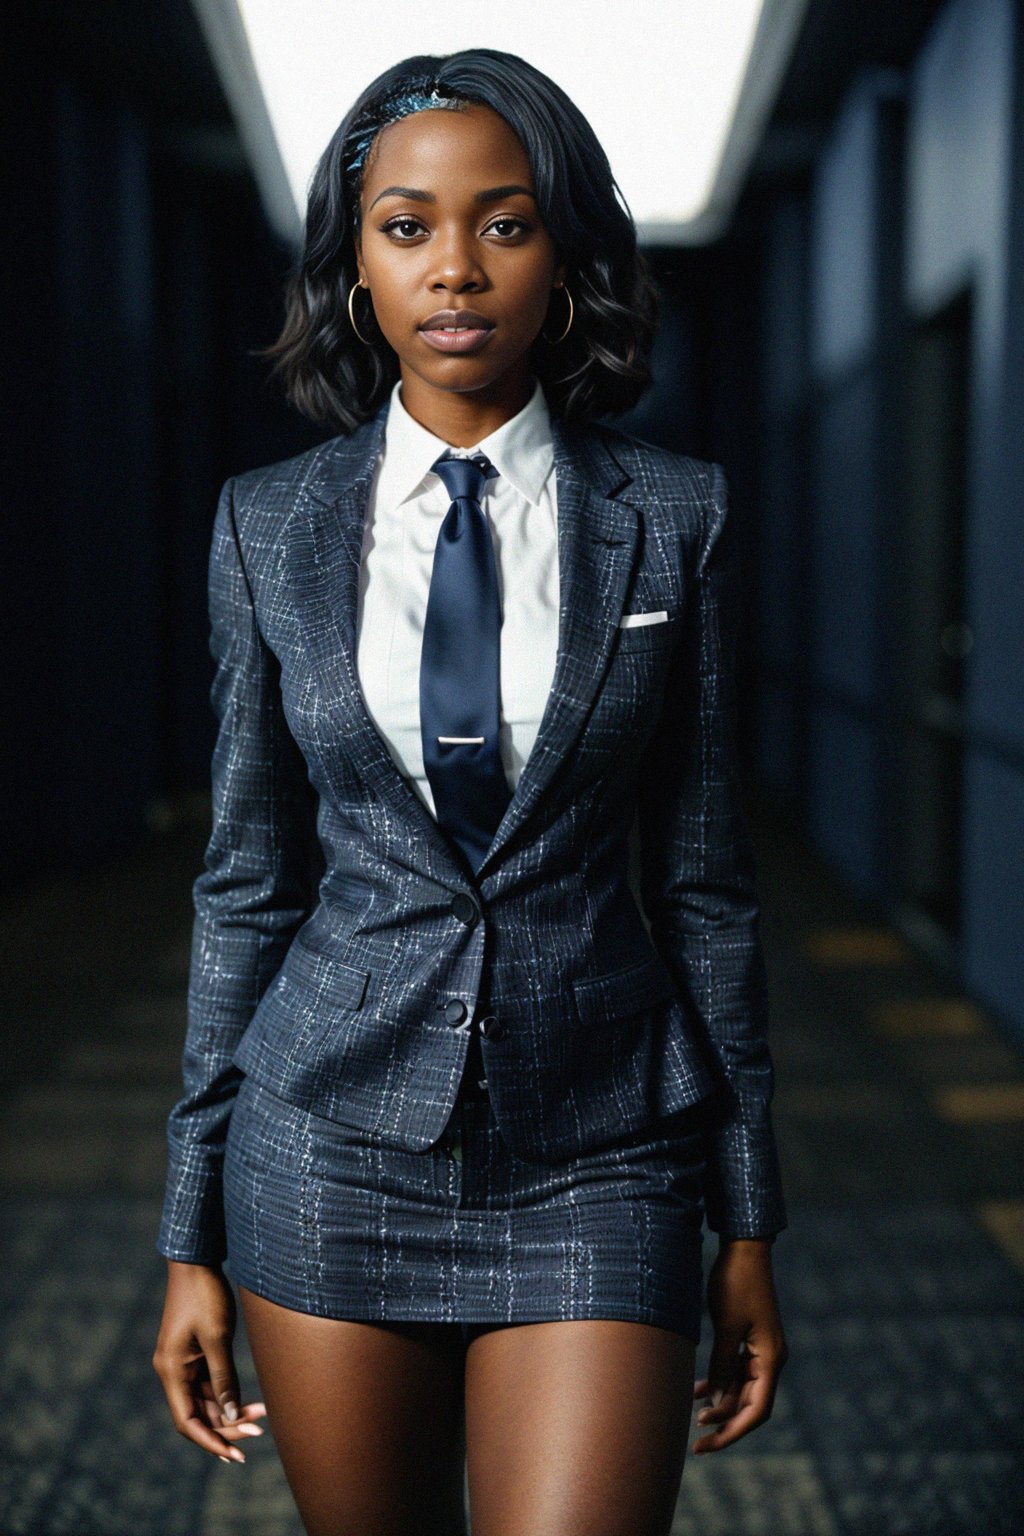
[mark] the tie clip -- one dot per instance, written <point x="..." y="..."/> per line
<point x="461" y="738"/>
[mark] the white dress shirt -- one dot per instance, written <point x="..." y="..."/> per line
<point x="407" y="504"/>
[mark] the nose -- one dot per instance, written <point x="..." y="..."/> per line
<point x="456" y="264"/>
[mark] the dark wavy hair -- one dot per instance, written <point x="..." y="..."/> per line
<point x="603" y="365"/>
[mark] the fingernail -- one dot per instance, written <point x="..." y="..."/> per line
<point x="716" y="1396"/>
<point x="227" y="1459"/>
<point x="702" y="1416"/>
<point x="236" y="1454"/>
<point x="249" y="1429"/>
<point x="231" y="1411"/>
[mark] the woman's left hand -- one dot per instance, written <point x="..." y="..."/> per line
<point x="749" y="1349"/>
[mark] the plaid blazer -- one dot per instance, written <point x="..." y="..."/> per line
<point x="335" y="920"/>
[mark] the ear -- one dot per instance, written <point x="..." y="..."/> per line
<point x="357" y="245"/>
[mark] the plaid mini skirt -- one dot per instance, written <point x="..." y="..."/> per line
<point x="333" y="1221"/>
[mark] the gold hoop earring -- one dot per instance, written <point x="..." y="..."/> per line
<point x="569" y="326"/>
<point x="352" y="316"/>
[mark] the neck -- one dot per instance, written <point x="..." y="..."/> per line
<point x="463" y="418"/>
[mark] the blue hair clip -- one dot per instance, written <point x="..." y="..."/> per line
<point x="398" y="107"/>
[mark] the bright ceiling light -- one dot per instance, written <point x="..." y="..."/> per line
<point x="677" y="91"/>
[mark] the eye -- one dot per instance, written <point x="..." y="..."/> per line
<point x="393" y="225"/>
<point x="519" y="223"/>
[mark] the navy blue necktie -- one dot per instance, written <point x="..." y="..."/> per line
<point x="460" y="666"/>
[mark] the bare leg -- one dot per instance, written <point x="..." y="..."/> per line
<point x="366" y="1417"/>
<point x="577" y="1428"/>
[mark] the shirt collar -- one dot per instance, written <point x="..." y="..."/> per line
<point x="521" y="449"/>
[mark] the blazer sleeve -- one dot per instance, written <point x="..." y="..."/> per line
<point x="697" y="879"/>
<point x="252" y="894"/>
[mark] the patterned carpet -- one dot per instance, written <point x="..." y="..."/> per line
<point x="901" y="1276"/>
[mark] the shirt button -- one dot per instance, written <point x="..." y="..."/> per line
<point x="491" y="1027"/>
<point x="464" y="908"/>
<point x="455" y="1010"/>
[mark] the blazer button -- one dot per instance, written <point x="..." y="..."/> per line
<point x="455" y="1010"/>
<point x="491" y="1027"/>
<point x="464" y="908"/>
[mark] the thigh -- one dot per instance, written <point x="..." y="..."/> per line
<point x="366" y="1418"/>
<point x="577" y="1427"/>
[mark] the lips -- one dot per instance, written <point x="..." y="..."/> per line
<point x="456" y="330"/>
<point x="461" y="319"/>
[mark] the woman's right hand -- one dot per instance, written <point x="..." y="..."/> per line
<point x="194" y="1361"/>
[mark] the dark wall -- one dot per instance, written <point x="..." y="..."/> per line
<point x="140" y="272"/>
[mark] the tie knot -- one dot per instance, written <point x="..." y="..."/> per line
<point x="464" y="476"/>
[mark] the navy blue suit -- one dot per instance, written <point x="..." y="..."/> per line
<point x="337" y="927"/>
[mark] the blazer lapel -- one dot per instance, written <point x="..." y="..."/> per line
<point x="323" y="551"/>
<point x="597" y="545"/>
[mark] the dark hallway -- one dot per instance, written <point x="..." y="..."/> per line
<point x="841" y="328"/>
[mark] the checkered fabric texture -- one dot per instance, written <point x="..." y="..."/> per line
<point x="334" y="919"/>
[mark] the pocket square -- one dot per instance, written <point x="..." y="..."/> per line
<point x="628" y="620"/>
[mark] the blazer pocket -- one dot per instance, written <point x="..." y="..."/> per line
<point x="321" y="979"/>
<point x="645" y="637"/>
<point x="603" y="999"/>
<point x="309" y="993"/>
<point x="643" y="620"/>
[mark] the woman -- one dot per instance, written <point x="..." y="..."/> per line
<point x="454" y="1111"/>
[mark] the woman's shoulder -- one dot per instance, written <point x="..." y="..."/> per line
<point x="663" y="472"/>
<point x="315" y="471"/>
<point x="272" y="487"/>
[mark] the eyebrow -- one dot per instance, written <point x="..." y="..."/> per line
<point x="491" y="195"/>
